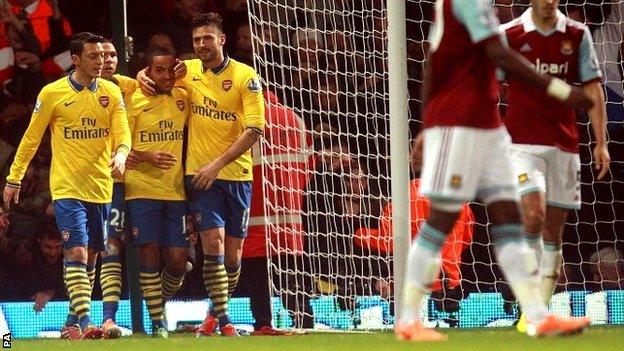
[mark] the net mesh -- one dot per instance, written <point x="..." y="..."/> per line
<point x="327" y="61"/>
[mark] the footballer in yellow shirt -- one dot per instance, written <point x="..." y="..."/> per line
<point x="87" y="119"/>
<point x="155" y="195"/>
<point x="227" y="118"/>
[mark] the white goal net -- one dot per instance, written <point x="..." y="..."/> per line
<point x="327" y="61"/>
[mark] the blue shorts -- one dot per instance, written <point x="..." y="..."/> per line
<point x="116" y="221"/>
<point x="158" y="222"/>
<point x="82" y="223"/>
<point x="225" y="205"/>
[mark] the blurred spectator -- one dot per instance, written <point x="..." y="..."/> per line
<point x="178" y="27"/>
<point x="156" y="40"/>
<point x="607" y="268"/>
<point x="569" y="278"/>
<point x="34" y="268"/>
<point x="14" y="118"/>
<point x="36" y="203"/>
<point x="48" y="260"/>
<point x="380" y="239"/>
<point x="26" y="76"/>
<point x="52" y="31"/>
<point x="335" y="203"/>
<point x="236" y="13"/>
<point x="16" y="260"/>
<point x="243" y="51"/>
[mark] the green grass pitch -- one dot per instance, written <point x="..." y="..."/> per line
<point x="596" y="338"/>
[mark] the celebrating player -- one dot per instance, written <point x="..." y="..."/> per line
<point x="544" y="133"/>
<point x="227" y="118"/>
<point x="466" y="156"/>
<point x="155" y="195"/>
<point x="87" y="118"/>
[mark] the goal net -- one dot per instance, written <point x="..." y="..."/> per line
<point x="327" y="196"/>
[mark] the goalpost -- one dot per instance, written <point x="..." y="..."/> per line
<point x="351" y="70"/>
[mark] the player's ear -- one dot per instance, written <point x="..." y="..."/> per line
<point x="222" y="39"/>
<point x="75" y="59"/>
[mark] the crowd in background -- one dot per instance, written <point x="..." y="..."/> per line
<point x="331" y="69"/>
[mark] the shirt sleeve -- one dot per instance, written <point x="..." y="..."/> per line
<point x="589" y="67"/>
<point x="253" y="103"/>
<point x="39" y="122"/>
<point x="119" y="123"/>
<point x="478" y="17"/>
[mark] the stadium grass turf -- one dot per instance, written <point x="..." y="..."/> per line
<point x="596" y="338"/>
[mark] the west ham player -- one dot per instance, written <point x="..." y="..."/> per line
<point x="543" y="131"/>
<point x="87" y="119"/>
<point x="466" y="156"/>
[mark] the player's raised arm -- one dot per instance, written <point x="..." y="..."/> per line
<point x="39" y="122"/>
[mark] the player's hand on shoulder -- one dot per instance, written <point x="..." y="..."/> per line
<point x="578" y="99"/>
<point x="145" y="83"/>
<point x="179" y="69"/>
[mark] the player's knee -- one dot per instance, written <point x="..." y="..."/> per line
<point x="113" y="248"/>
<point x="212" y="242"/>
<point x="177" y="267"/>
<point x="76" y="254"/>
<point x="149" y="255"/>
<point x="504" y="212"/>
<point x="534" y="219"/>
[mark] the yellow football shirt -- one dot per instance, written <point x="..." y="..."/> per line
<point x="224" y="102"/>
<point x="86" y="123"/>
<point x="157" y="124"/>
<point x="127" y="85"/>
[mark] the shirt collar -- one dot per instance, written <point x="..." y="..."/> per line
<point x="221" y="67"/>
<point x="32" y="7"/>
<point x="78" y="87"/>
<point x="529" y="25"/>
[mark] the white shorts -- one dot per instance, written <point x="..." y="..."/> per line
<point x="547" y="169"/>
<point x="462" y="163"/>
